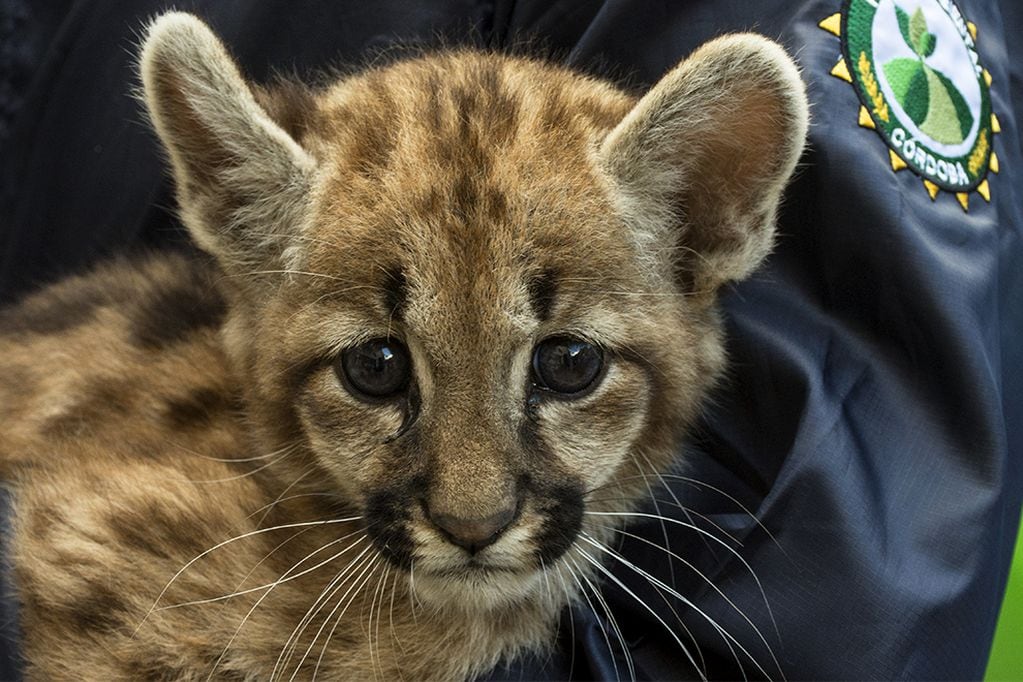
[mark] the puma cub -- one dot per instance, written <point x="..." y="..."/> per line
<point x="445" y="302"/>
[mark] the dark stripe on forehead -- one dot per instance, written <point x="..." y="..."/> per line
<point x="501" y="109"/>
<point x="434" y="115"/>
<point x="372" y="139"/>
<point x="396" y="292"/>
<point x="543" y="288"/>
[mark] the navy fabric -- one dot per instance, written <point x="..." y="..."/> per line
<point x="872" y="419"/>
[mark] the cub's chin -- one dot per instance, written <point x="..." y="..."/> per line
<point x="476" y="587"/>
<point x="501" y="576"/>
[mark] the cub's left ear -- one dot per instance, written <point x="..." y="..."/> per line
<point x="699" y="165"/>
<point x="241" y="180"/>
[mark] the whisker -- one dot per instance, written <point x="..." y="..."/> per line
<point x="270" y="586"/>
<point x="763" y="593"/>
<point x="285" y="499"/>
<point x="657" y="508"/>
<point x="632" y="594"/>
<point x="546" y="579"/>
<point x="332" y="587"/>
<point x="596" y="616"/>
<point x="380" y="591"/>
<point x="412" y="585"/>
<point x="571" y="621"/>
<point x="394" y="634"/>
<point x="599" y="596"/>
<point x="727" y="638"/>
<point x="369" y="627"/>
<point x="668" y="604"/>
<point x="324" y="597"/>
<point x="269" y="554"/>
<point x="731" y="498"/>
<point x="692" y="513"/>
<point x="551" y="601"/>
<point x="711" y="584"/>
<point x="263" y="596"/>
<point x="287" y="451"/>
<point x="228" y="542"/>
<point x="354" y="590"/>
<point x="298" y="272"/>
<point x="225" y="460"/>
<point x="266" y="509"/>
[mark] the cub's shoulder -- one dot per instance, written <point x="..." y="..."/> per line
<point x="156" y="300"/>
<point x="119" y="357"/>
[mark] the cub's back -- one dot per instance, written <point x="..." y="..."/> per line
<point x="127" y="355"/>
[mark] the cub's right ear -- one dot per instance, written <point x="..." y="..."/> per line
<point x="242" y="181"/>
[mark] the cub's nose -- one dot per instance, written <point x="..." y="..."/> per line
<point x="473" y="534"/>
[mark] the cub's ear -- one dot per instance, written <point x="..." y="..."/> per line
<point x="698" y="166"/>
<point x="242" y="181"/>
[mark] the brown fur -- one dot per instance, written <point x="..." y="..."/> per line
<point x="468" y="204"/>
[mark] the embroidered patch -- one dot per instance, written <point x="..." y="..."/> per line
<point x="915" y="68"/>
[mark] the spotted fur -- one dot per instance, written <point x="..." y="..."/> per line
<point x="174" y="430"/>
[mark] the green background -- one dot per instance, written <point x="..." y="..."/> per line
<point x="1007" y="653"/>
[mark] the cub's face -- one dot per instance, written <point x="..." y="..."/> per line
<point x="477" y="293"/>
<point x="482" y="350"/>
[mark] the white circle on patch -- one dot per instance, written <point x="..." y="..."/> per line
<point x="950" y="58"/>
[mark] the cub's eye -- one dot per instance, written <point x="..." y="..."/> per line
<point x="566" y="365"/>
<point x="375" y="369"/>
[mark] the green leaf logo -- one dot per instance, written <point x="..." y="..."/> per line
<point x="917" y="74"/>
<point x="930" y="99"/>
